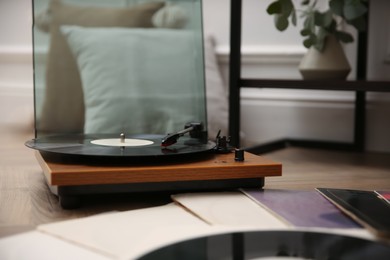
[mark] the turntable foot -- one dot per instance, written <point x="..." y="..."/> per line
<point x="70" y="202"/>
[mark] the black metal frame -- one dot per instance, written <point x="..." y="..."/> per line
<point x="360" y="87"/>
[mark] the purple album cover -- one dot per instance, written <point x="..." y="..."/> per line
<point x="302" y="208"/>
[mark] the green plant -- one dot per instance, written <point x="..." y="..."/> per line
<point x="317" y="25"/>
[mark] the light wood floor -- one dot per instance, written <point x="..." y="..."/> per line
<point x="25" y="200"/>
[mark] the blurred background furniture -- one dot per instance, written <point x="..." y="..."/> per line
<point x="360" y="86"/>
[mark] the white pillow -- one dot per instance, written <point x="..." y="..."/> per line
<point x="138" y="80"/>
<point x="170" y="16"/>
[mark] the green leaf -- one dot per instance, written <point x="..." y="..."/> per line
<point x="294" y="18"/>
<point x="308" y="43"/>
<point x="274" y="8"/>
<point x="359" y="23"/>
<point x="320" y="40"/>
<point x="318" y="18"/>
<point x="308" y="23"/>
<point x="323" y="19"/>
<point x="344" y="36"/>
<point x="305" y="32"/>
<point x="287" y="7"/>
<point x="281" y="22"/>
<point x="332" y="27"/>
<point x="353" y="9"/>
<point x="328" y="18"/>
<point x="336" y="6"/>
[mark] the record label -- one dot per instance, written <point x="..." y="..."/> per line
<point x="122" y="142"/>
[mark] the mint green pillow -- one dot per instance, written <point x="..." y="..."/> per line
<point x="138" y="80"/>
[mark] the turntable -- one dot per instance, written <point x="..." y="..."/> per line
<point x="116" y="87"/>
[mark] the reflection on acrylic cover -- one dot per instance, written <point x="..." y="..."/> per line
<point x="142" y="71"/>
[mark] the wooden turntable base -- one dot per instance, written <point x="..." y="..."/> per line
<point x="218" y="171"/>
<point x="218" y="166"/>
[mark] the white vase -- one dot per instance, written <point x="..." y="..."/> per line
<point x="331" y="63"/>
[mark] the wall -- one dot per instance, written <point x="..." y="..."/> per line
<point x="16" y="77"/>
<point x="266" y="114"/>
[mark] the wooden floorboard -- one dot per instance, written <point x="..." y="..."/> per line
<point x="310" y="168"/>
<point x="26" y="201"/>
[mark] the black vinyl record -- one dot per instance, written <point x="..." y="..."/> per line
<point x="110" y="146"/>
<point x="273" y="245"/>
